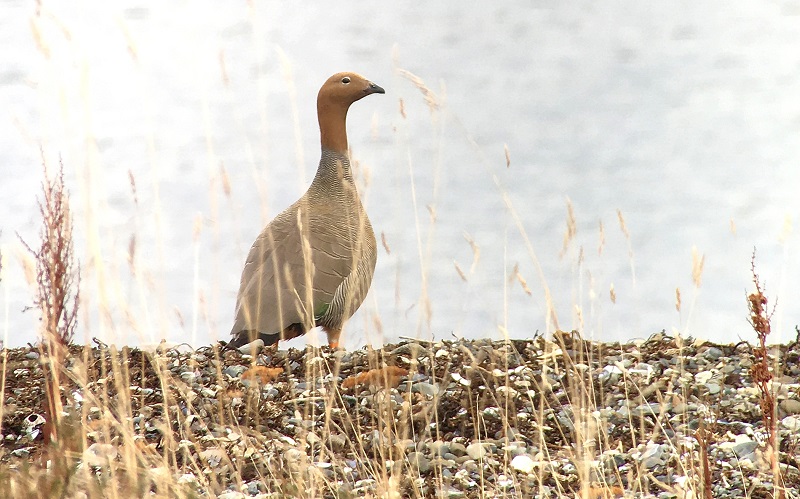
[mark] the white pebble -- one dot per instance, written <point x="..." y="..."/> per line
<point x="523" y="463"/>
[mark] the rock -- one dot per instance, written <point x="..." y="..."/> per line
<point x="231" y="494"/>
<point x="443" y="463"/>
<point x="790" y="406"/>
<point x="187" y="478"/>
<point x="651" y="409"/>
<point x="458" y="449"/>
<point x="337" y="442"/>
<point x="476" y="451"/>
<point x="610" y="375"/>
<point x="504" y="482"/>
<point x="744" y="448"/>
<point x="425" y="388"/>
<point x="460" y="379"/>
<point x="99" y="454"/>
<point x="289" y="433"/>
<point x="791" y="423"/>
<point x="523" y="463"/>
<point x="439" y="448"/>
<point x="294" y="458"/>
<point x="23" y="452"/>
<point x="234" y="371"/>
<point x="419" y="463"/>
<point x="515" y="449"/>
<point x="612" y="460"/>
<point x="412" y="350"/>
<point x="213" y="456"/>
<point x="703" y="377"/>
<point x="452" y="492"/>
<point x="653" y="456"/>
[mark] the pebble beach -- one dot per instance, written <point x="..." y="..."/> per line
<point x="558" y="417"/>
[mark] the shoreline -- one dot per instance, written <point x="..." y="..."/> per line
<point x="466" y="418"/>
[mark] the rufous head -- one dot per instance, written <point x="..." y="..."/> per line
<point x="342" y="89"/>
<point x="333" y="101"/>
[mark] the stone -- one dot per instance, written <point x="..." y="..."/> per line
<point x="523" y="463"/>
<point x="790" y="406"/>
<point x="419" y="463"/>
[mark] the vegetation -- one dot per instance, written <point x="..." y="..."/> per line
<point x="555" y="416"/>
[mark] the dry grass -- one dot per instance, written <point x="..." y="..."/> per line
<point x="303" y="422"/>
<point x="127" y="423"/>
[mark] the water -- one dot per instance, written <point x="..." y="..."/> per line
<point x="685" y="118"/>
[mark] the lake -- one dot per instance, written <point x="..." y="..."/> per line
<point x="185" y="127"/>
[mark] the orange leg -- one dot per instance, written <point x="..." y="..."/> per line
<point x="333" y="337"/>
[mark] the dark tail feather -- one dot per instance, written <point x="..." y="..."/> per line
<point x="244" y="337"/>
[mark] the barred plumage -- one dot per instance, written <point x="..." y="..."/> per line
<point x="313" y="264"/>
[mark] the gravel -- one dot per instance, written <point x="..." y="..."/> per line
<point x="518" y="418"/>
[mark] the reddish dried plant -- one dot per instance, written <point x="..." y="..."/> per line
<point x="704" y="438"/>
<point x="57" y="278"/>
<point x="760" y="371"/>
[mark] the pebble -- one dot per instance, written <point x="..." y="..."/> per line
<point x="438" y="448"/>
<point x="419" y="463"/>
<point x="523" y="463"/>
<point x="474" y="450"/>
<point x="610" y="375"/>
<point x="213" y="457"/>
<point x="425" y="388"/>
<point x="703" y="377"/>
<point x="458" y="449"/>
<point x="99" y="454"/>
<point x="745" y="448"/>
<point x="22" y="453"/>
<point x="791" y="423"/>
<point x="713" y="353"/>
<point x="790" y="406"/>
<point x="234" y="371"/>
<point x="653" y="456"/>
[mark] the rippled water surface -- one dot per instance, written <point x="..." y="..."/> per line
<point x="684" y="117"/>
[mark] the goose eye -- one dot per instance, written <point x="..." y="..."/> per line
<point x="346" y="79"/>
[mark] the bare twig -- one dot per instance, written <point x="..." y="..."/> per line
<point x="57" y="278"/>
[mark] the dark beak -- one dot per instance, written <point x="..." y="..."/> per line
<point x="374" y="89"/>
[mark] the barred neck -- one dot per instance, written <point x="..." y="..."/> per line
<point x="334" y="170"/>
